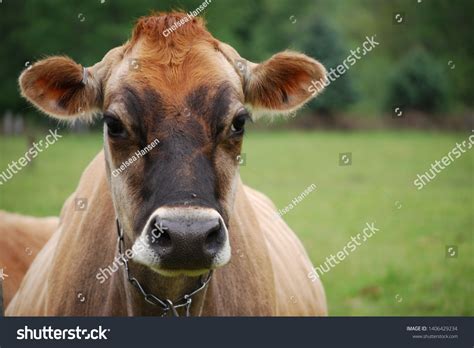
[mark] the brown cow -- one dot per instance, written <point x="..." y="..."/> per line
<point x="21" y="238"/>
<point x="174" y="109"/>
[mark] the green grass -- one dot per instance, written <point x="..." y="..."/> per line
<point x="405" y="258"/>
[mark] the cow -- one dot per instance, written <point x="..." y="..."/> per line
<point x="21" y="238"/>
<point x="169" y="228"/>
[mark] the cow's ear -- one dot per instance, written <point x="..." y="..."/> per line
<point x="284" y="82"/>
<point x="61" y="88"/>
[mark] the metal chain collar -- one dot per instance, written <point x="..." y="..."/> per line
<point x="166" y="305"/>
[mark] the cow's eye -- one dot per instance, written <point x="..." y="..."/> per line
<point x="115" y="127"/>
<point x="238" y="124"/>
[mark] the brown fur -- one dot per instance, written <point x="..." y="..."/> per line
<point x="21" y="238"/>
<point x="58" y="79"/>
<point x="281" y="82"/>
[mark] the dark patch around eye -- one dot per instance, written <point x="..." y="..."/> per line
<point x="212" y="107"/>
<point x="197" y="100"/>
<point x="132" y="101"/>
<point x="221" y="103"/>
<point x="204" y="104"/>
<point x="142" y="107"/>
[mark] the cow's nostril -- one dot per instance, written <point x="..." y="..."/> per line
<point x="158" y="234"/>
<point x="214" y="238"/>
<point x="163" y="239"/>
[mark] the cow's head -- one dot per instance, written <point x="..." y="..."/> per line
<point x="174" y="105"/>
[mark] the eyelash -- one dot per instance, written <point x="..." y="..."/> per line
<point x="115" y="127"/>
<point x="238" y="123"/>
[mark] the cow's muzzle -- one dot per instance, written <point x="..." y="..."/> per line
<point x="190" y="240"/>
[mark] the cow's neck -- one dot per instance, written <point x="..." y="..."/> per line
<point x="172" y="288"/>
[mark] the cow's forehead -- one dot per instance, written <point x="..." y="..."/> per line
<point x="182" y="72"/>
<point x="202" y="72"/>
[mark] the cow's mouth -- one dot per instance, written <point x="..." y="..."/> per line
<point x="179" y="272"/>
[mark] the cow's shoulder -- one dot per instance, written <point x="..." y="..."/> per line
<point x="257" y="197"/>
<point x="301" y="296"/>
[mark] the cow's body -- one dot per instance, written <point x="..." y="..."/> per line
<point x="21" y="238"/>
<point x="267" y="274"/>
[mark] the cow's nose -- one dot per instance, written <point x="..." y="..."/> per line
<point x="186" y="243"/>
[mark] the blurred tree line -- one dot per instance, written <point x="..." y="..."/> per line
<point x="425" y="62"/>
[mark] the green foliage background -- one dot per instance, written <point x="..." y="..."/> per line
<point x="325" y="29"/>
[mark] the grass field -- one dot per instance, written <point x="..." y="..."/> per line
<point x="401" y="270"/>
